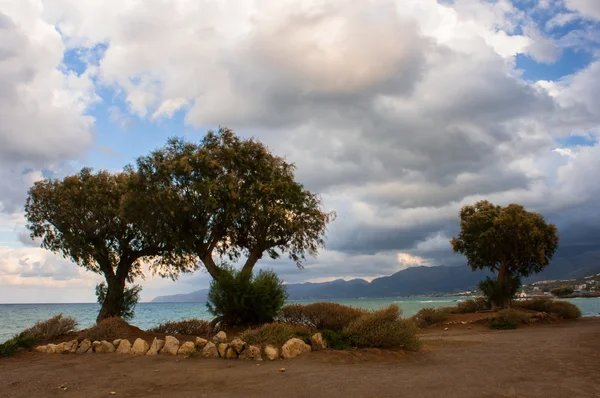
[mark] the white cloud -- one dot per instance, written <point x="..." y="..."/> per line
<point x="587" y="8"/>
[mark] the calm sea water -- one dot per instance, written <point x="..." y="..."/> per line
<point x="16" y="317"/>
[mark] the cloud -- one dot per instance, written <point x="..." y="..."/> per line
<point x="587" y="8"/>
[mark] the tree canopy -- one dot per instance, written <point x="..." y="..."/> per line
<point x="91" y="219"/>
<point x="508" y="240"/>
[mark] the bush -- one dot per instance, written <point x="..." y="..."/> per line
<point x="276" y="333"/>
<point x="538" y="305"/>
<point x="322" y="316"/>
<point x="337" y="340"/>
<point x="237" y="300"/>
<point x="49" y="330"/>
<point x="509" y="318"/>
<point x="565" y="310"/>
<point x="192" y="327"/>
<point x="496" y="291"/>
<point x="430" y="316"/>
<point x="472" y="306"/>
<point x="383" y="329"/>
<point x="131" y="296"/>
<point x="107" y="329"/>
<point x="562" y="291"/>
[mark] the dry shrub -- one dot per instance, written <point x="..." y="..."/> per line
<point x="565" y="310"/>
<point x="192" y="327"/>
<point x="538" y="304"/>
<point x="383" y="329"/>
<point x="276" y="333"/>
<point x="471" y="306"/>
<point x="51" y="329"/>
<point x="431" y="316"/>
<point x="510" y="318"/>
<point x="107" y="329"/>
<point x="322" y="316"/>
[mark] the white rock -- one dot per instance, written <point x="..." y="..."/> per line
<point x="210" y="351"/>
<point x="220" y="337"/>
<point x="124" y="347"/>
<point x="317" y="342"/>
<point x="186" y="348"/>
<point x="292" y="348"/>
<point x="171" y="346"/>
<point x="157" y="345"/>
<point x="116" y="342"/>
<point x="251" y="352"/>
<point x="222" y="349"/>
<point x="103" y="347"/>
<point x="200" y="342"/>
<point x="40" y="348"/>
<point x="271" y="352"/>
<point x="238" y="345"/>
<point x="140" y="347"/>
<point x="84" y="347"/>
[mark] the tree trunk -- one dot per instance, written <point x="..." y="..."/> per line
<point x="249" y="264"/>
<point x="505" y="280"/>
<point x="113" y="303"/>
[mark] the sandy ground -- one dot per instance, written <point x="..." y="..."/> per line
<point x="558" y="360"/>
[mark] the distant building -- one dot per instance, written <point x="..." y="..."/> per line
<point x="522" y="294"/>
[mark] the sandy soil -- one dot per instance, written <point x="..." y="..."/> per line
<point x="558" y="360"/>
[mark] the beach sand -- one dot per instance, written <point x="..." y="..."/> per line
<point x="556" y="360"/>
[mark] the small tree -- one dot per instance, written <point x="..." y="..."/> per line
<point x="507" y="240"/>
<point x="131" y="296"/>
<point x="91" y="219"/>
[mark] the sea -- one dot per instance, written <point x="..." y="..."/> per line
<point x="16" y="317"/>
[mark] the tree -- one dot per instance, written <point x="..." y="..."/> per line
<point x="131" y="296"/>
<point x="230" y="198"/>
<point x="93" y="220"/>
<point x="508" y="240"/>
<point x="562" y="291"/>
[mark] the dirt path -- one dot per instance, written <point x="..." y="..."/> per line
<point x="561" y="360"/>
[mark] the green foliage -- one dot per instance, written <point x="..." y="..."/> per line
<point x="231" y="197"/>
<point x="322" y="315"/>
<point x="131" y="296"/>
<point x="509" y="318"/>
<point x="497" y="291"/>
<point x="383" y="329"/>
<point x="107" y="329"/>
<point x="191" y="327"/>
<point x="20" y="341"/>
<point x="565" y="310"/>
<point x="562" y="291"/>
<point x="430" y="316"/>
<point x="238" y="299"/>
<point x="274" y="333"/>
<point x="472" y="306"/>
<point x="337" y="340"/>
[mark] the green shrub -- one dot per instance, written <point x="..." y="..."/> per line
<point x="192" y="327"/>
<point x="565" y="310"/>
<point x="509" y="318"/>
<point x="236" y="299"/>
<point x="337" y="340"/>
<point x="322" y="315"/>
<point x="50" y="329"/>
<point x="471" y="306"/>
<point x="496" y="291"/>
<point x="131" y="296"/>
<point x="430" y="316"/>
<point x="276" y="333"/>
<point x="107" y="329"/>
<point x="383" y="329"/>
<point x="538" y="304"/>
<point x="562" y="291"/>
<point x="20" y="341"/>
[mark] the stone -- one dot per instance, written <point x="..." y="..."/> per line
<point x="271" y="352"/>
<point x="51" y="348"/>
<point x="124" y="347"/>
<point x="445" y="329"/>
<point x="40" y="348"/>
<point x="73" y="348"/>
<point x="157" y="345"/>
<point x="282" y="370"/>
<point x="187" y="348"/>
<point x="171" y="346"/>
<point x="103" y="347"/>
<point x="200" y="343"/>
<point x="220" y="337"/>
<point x="317" y="343"/>
<point x="116" y="342"/>
<point x="238" y="345"/>
<point x="140" y="347"/>
<point x="231" y="353"/>
<point x="61" y="348"/>
<point x="252" y="353"/>
<point x="210" y="351"/>
<point x="307" y="348"/>
<point x="292" y="348"/>
<point x="222" y="349"/>
<point x="84" y="347"/>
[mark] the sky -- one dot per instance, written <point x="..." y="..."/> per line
<point x="396" y="112"/>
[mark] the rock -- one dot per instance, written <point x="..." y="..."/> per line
<point x="445" y="329"/>
<point x="171" y="346"/>
<point x="73" y="348"/>
<point x="231" y="353"/>
<point x="116" y="342"/>
<point x="238" y="345"/>
<point x="292" y="348"/>
<point x="40" y="348"/>
<point x="252" y="353"/>
<point x="200" y="343"/>
<point x="60" y="348"/>
<point x="317" y="343"/>
<point x="84" y="347"/>
<point x="220" y="337"/>
<point x="51" y="348"/>
<point x="210" y="351"/>
<point x="187" y="348"/>
<point x="282" y="370"/>
<point x="307" y="348"/>
<point x="124" y="347"/>
<point x="272" y="353"/>
<point x="222" y="350"/>
<point x="140" y="347"/>
<point x="103" y="347"/>
<point x="157" y="345"/>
